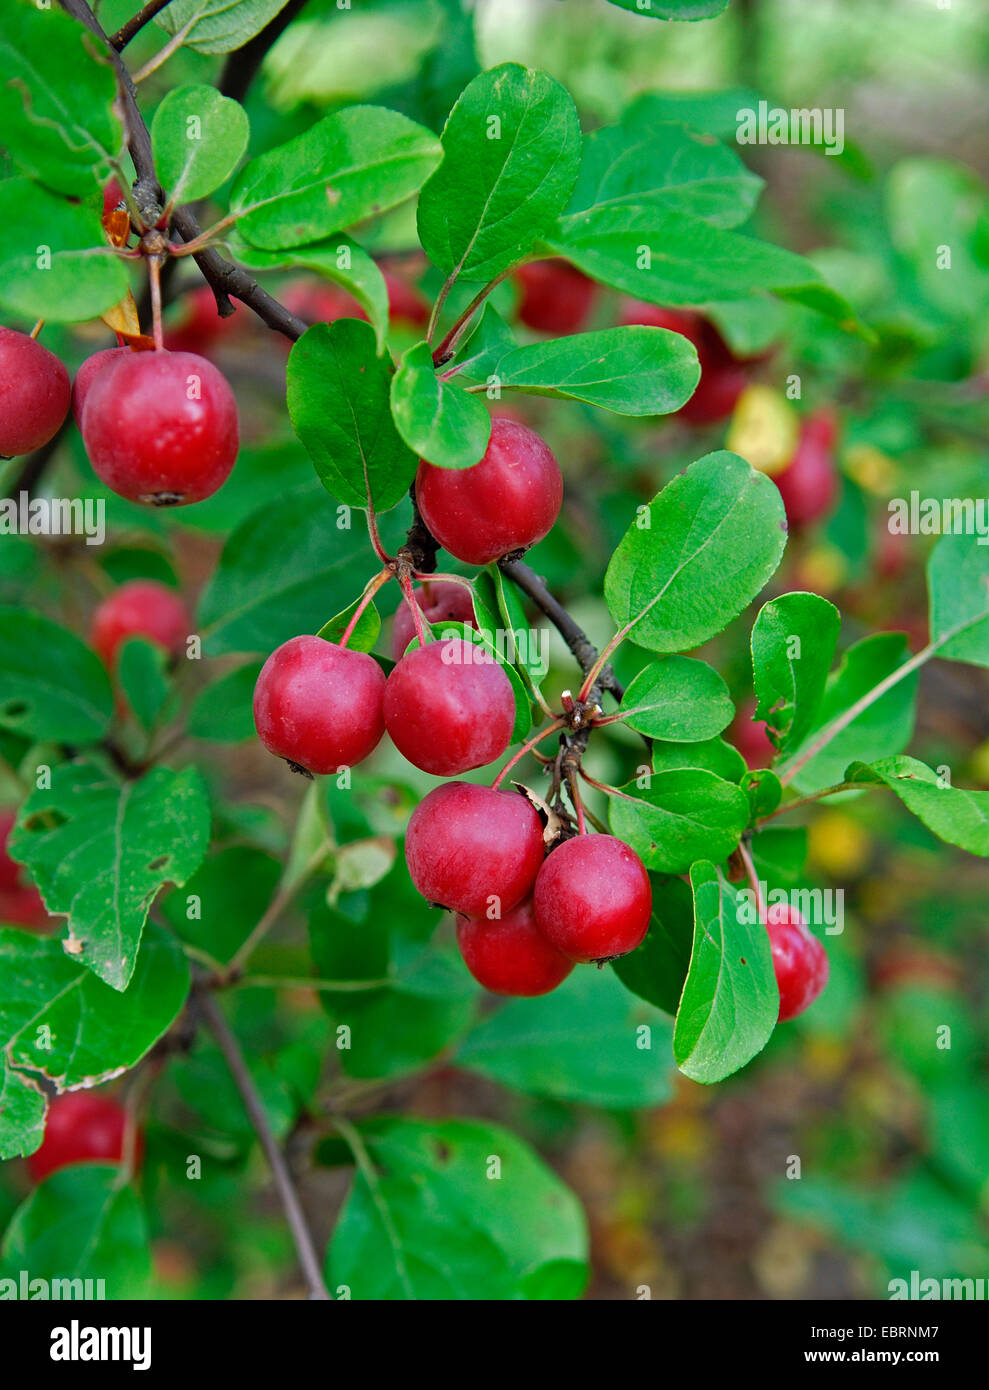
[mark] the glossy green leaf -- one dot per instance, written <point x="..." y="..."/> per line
<point x="54" y="259"/>
<point x="217" y="26"/>
<point x="221" y="711"/>
<point x="730" y="1000"/>
<point x="80" y="1223"/>
<point x="454" y="1209"/>
<point x="352" y="164"/>
<point x="679" y="699"/>
<point x="632" y="371"/>
<point x="22" y="1113"/>
<point x="366" y="631"/>
<point x="198" y="138"/>
<point x="713" y="754"/>
<point x="141" y="671"/>
<point x="99" y="851"/>
<point x="437" y="419"/>
<point x="793" y="643"/>
<point x="657" y="969"/>
<point x="339" y="406"/>
<point x="56" y="98"/>
<point x="586" y="1042"/>
<point x="511" y="151"/>
<point x="954" y="814"/>
<point x="679" y="817"/>
<point x="704" y="548"/>
<point x="52" y="686"/>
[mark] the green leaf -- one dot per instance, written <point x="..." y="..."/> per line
<point x="22" y="1112"/>
<point x="218" y="26"/>
<point x="56" y="99"/>
<point x="353" y="164"/>
<point x="765" y="792"/>
<point x="54" y="259"/>
<point x="961" y="817"/>
<point x="793" y="643"/>
<point x="57" y="1019"/>
<point x="142" y="677"/>
<point x="221" y="712"/>
<point x="339" y="406"/>
<point x="587" y="1042"/>
<point x="487" y="343"/>
<point x="501" y="612"/>
<point x="677" y="698"/>
<point x="885" y="727"/>
<point x="958" y="589"/>
<point x="511" y="152"/>
<point x="679" y="817"/>
<point x="662" y="166"/>
<point x="438" y="419"/>
<point x="730" y="1000"/>
<point x="81" y="1223"/>
<point x="713" y="754"/>
<point x="198" y="138"/>
<point x="689" y="261"/>
<point x="702" y="551"/>
<point x="52" y="686"/>
<point x="673" y="9"/>
<point x="279" y="572"/>
<point x="632" y="371"/>
<point x="657" y="969"/>
<point x="223" y="900"/>
<point x="457" y="1210"/>
<point x="99" y="851"/>
<point x="366" y="631"/>
<point x="933" y="203"/>
<point x="339" y="259"/>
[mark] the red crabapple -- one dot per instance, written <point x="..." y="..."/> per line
<point x="593" y="898"/>
<point x="809" y="482"/>
<point x="139" y="608"/>
<point x="161" y="427"/>
<point x="318" y="705"/>
<point x="449" y="707"/>
<point x="34" y="394"/>
<point x="88" y="373"/>
<point x="799" y="960"/>
<point x="439" y="602"/>
<point x="81" y="1128"/>
<point x="507" y="501"/>
<point x="469" y="848"/>
<point x="723" y="377"/>
<point x="555" y="297"/>
<point x="509" y="955"/>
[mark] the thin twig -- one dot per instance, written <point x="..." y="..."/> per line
<point x="254" y="1106"/>
<point x="134" y="25"/>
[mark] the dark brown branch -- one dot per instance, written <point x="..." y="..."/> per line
<point x="136" y="23"/>
<point x="572" y="633"/>
<point x="254" y="1106"/>
<point x="242" y="66"/>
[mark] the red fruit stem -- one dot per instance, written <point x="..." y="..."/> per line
<point x="448" y="346"/>
<point x="405" y="580"/>
<point x="154" y="277"/>
<point x="753" y="878"/>
<point x="370" y="590"/>
<point x="553" y="728"/>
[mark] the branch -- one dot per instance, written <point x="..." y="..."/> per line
<point x="572" y="633"/>
<point x="244" y="1082"/>
<point x="136" y="23"/>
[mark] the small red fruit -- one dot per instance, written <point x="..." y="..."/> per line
<point x="20" y="901"/>
<point x="507" y="501"/>
<point x="34" y="394"/>
<point x="139" y="608"/>
<point x="439" y="603"/>
<point x="799" y="960"/>
<point x="723" y="376"/>
<point x="319" y="706"/>
<point x="555" y="297"/>
<point x="469" y="848"/>
<point x="449" y="707"/>
<point x="510" y="956"/>
<point x="82" y="1127"/>
<point x="809" y="483"/>
<point x="593" y="898"/>
<point x="88" y="373"/>
<point x="161" y="427"/>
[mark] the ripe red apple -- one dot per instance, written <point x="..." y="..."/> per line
<point x="82" y="1127"/>
<point x="593" y="898"/>
<point x="799" y="960"/>
<point x="34" y="394"/>
<point x="809" y="483"/>
<point x="139" y="608"/>
<point x="509" y="955"/>
<point x="439" y="602"/>
<point x="88" y="373"/>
